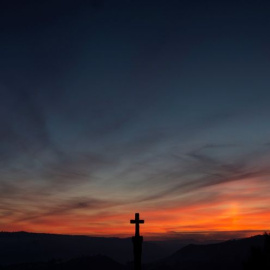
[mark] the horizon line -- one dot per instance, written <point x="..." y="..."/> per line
<point x="208" y="235"/>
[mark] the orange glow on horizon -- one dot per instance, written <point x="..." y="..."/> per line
<point x="237" y="208"/>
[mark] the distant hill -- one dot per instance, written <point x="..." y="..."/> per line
<point x="228" y="255"/>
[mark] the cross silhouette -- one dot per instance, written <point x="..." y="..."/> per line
<point x="137" y="222"/>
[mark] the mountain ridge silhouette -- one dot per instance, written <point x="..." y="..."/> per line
<point x="22" y="250"/>
<point x="23" y="247"/>
<point x="230" y="254"/>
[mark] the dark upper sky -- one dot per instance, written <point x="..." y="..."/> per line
<point x="110" y="107"/>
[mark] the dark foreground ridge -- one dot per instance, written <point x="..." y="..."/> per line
<point x="44" y="251"/>
<point x="81" y="263"/>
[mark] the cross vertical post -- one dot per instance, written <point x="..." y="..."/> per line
<point x="137" y="242"/>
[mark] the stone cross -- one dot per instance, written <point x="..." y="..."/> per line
<point x="137" y="223"/>
<point x="137" y="242"/>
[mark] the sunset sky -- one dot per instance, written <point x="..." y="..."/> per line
<point x="111" y="107"/>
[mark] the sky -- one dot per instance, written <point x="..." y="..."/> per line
<point x="113" y="107"/>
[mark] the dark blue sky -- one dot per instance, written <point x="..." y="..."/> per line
<point x="130" y="105"/>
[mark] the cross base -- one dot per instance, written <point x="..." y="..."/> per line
<point x="137" y="249"/>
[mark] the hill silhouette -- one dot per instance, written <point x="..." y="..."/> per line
<point x="23" y="247"/>
<point x="223" y="256"/>
<point x="64" y="252"/>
